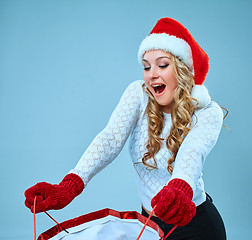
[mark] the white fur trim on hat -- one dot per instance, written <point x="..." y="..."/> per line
<point x="176" y="46"/>
<point x="200" y="93"/>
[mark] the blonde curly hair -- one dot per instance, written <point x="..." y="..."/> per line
<point x="181" y="115"/>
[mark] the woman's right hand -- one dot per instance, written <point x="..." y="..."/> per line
<point x="54" y="196"/>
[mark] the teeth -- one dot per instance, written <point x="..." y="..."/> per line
<point x="157" y="85"/>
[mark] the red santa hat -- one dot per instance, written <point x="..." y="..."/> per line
<point x="171" y="36"/>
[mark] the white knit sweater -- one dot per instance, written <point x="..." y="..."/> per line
<point x="129" y="118"/>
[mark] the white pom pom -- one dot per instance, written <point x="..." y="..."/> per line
<point x="200" y="93"/>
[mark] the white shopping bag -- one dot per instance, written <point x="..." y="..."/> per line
<point x="105" y="224"/>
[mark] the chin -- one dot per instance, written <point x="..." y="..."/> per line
<point x="164" y="104"/>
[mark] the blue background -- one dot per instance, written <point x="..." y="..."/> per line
<point x="63" y="68"/>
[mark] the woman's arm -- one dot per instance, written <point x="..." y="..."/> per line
<point x="104" y="148"/>
<point x="110" y="141"/>
<point x="173" y="204"/>
<point x="197" y="144"/>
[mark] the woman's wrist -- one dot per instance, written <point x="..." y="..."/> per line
<point x="74" y="182"/>
<point x="181" y="185"/>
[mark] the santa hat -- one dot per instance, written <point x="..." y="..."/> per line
<point x="171" y="36"/>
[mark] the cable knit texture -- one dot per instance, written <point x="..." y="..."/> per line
<point x="54" y="196"/>
<point x="174" y="203"/>
<point x="129" y="119"/>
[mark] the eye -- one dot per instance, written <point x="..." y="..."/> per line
<point x="146" y="68"/>
<point x="164" y="66"/>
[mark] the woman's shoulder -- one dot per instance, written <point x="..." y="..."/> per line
<point x="136" y="95"/>
<point x="136" y="89"/>
<point x="137" y="84"/>
<point x="212" y="107"/>
<point x="212" y="113"/>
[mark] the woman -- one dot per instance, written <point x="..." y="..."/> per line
<point x="173" y="123"/>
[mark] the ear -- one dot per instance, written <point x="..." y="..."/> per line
<point x="200" y="93"/>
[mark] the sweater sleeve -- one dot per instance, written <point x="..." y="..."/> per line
<point x="110" y="141"/>
<point x="202" y="137"/>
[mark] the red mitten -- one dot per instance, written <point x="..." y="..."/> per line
<point x="174" y="203"/>
<point x="54" y="196"/>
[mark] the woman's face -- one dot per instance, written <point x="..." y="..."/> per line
<point x="159" y="77"/>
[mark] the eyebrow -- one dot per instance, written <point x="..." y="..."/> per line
<point x="158" y="58"/>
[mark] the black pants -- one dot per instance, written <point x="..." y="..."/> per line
<point x="207" y="224"/>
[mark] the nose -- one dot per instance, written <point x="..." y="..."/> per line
<point x="153" y="73"/>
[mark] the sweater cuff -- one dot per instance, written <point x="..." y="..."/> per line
<point x="181" y="185"/>
<point x="78" y="182"/>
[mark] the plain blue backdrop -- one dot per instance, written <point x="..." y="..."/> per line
<point x="64" y="65"/>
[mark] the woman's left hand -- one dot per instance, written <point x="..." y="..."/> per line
<point x="174" y="203"/>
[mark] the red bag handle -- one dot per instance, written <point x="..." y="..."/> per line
<point x="148" y="219"/>
<point x="34" y="219"/>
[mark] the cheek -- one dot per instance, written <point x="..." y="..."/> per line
<point x="170" y="80"/>
<point x="145" y="75"/>
<point x="174" y="83"/>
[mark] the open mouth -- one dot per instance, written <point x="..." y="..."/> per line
<point x="158" y="88"/>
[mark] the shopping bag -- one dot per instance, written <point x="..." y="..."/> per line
<point x="105" y="224"/>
